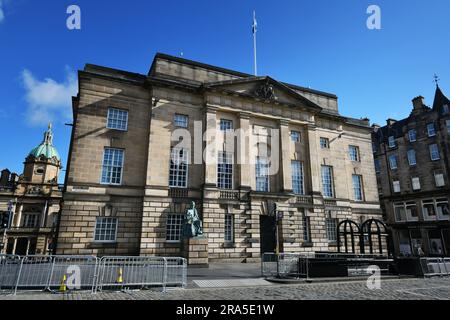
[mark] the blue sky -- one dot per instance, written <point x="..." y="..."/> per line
<point x="321" y="44"/>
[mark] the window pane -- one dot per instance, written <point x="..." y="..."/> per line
<point x="357" y="187"/>
<point x="306" y="229"/>
<point x="181" y="121"/>
<point x="117" y="119"/>
<point x="331" y="225"/>
<point x="297" y="177"/>
<point x="112" y="166"/>
<point x="178" y="168"/>
<point x="174" y="227"/>
<point x="105" y="229"/>
<point x="229" y="228"/>
<point x="431" y="130"/>
<point x="324" y="143"/>
<point x="412" y="157"/>
<point x="412" y="135"/>
<point x="354" y="153"/>
<point x="226" y="125"/>
<point x="393" y="162"/>
<point x="295" y="136"/>
<point x="434" y="152"/>
<point x="225" y="170"/>
<point x="262" y="175"/>
<point x="392" y="143"/>
<point x="327" y="181"/>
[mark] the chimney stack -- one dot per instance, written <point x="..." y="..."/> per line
<point x="418" y="103"/>
<point x="391" y="122"/>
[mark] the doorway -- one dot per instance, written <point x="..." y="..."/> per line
<point x="21" y="247"/>
<point x="268" y="234"/>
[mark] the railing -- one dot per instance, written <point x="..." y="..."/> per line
<point x="435" y="266"/>
<point x="285" y="265"/>
<point x="229" y="195"/>
<point x="304" y="199"/>
<point x="61" y="273"/>
<point x="178" y="193"/>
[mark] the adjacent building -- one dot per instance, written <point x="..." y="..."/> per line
<point x="412" y="164"/>
<point x="34" y="200"/>
<point x="129" y="180"/>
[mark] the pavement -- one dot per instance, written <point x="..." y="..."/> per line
<point x="244" y="282"/>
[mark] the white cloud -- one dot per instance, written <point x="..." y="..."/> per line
<point x="2" y="13"/>
<point x="49" y="100"/>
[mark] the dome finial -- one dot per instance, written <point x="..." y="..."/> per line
<point x="48" y="136"/>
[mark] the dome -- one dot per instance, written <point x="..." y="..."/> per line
<point x="46" y="148"/>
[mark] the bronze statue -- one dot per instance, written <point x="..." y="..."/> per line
<point x="194" y="226"/>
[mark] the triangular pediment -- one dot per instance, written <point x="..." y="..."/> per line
<point x="265" y="89"/>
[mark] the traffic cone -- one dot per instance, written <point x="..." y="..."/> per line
<point x="63" y="287"/>
<point x="120" y="276"/>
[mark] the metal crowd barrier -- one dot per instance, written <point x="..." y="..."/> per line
<point x="141" y="272"/>
<point x="9" y="271"/>
<point x="61" y="273"/>
<point x="435" y="266"/>
<point x="285" y="265"/>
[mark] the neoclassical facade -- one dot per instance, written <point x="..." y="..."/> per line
<point x="129" y="180"/>
<point x="34" y="198"/>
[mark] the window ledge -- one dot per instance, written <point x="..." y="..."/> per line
<point x="103" y="245"/>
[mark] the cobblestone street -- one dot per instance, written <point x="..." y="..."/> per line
<point x="405" y="289"/>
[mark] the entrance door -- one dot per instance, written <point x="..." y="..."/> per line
<point x="268" y="234"/>
<point x="21" y="246"/>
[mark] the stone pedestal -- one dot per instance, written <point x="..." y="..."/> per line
<point x="195" y="250"/>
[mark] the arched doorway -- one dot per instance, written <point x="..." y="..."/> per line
<point x="348" y="234"/>
<point x="374" y="237"/>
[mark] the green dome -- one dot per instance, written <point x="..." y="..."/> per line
<point x="46" y="148"/>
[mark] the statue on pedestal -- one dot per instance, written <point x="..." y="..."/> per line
<point x="194" y="226"/>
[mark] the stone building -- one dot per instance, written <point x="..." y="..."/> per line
<point x="129" y="182"/>
<point x="34" y="198"/>
<point x="412" y="164"/>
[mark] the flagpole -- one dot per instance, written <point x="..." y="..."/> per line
<point x="254" y="41"/>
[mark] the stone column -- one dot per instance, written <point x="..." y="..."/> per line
<point x="285" y="157"/>
<point x="314" y="161"/>
<point x="211" y="147"/>
<point x="243" y="152"/>
<point x="19" y="216"/>
<point x="14" y="246"/>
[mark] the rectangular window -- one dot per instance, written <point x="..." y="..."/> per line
<point x="354" y="153"/>
<point x="106" y="229"/>
<point x="448" y="125"/>
<point x="434" y="152"/>
<point x="443" y="209"/>
<point x="411" y="211"/>
<point x="30" y="220"/>
<point x="399" y="210"/>
<point x="324" y="143"/>
<point x="225" y="170"/>
<point x="416" y="184"/>
<point x="357" y="187"/>
<point x="392" y="143"/>
<point x="112" y="166"/>
<point x="377" y="166"/>
<point x="429" y="210"/>
<point x="445" y="109"/>
<point x="439" y="178"/>
<point x="295" y="136"/>
<point x="181" y="121"/>
<point x="226" y="125"/>
<point x="412" y="157"/>
<point x="174" y="227"/>
<point x="306" y="229"/>
<point x="262" y="175"/>
<point x="178" y="177"/>
<point x="431" y="130"/>
<point x="229" y="228"/>
<point x="396" y="185"/>
<point x="117" y="119"/>
<point x="297" y="177"/>
<point x="412" y="135"/>
<point x="393" y="162"/>
<point x="327" y="181"/>
<point x="331" y="229"/>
